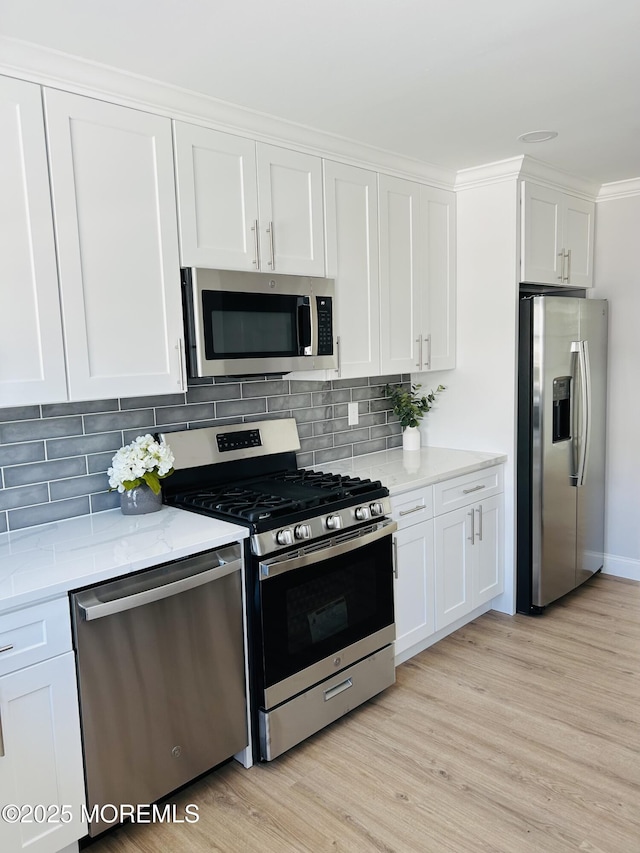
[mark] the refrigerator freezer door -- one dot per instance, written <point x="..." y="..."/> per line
<point x="556" y="326"/>
<point x="590" y="493"/>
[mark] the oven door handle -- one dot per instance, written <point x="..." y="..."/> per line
<point x="279" y="565"/>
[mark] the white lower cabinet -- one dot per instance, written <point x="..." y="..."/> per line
<point x="468" y="559"/>
<point x="414" y="584"/>
<point x="41" y="771"/>
<point x="448" y="556"/>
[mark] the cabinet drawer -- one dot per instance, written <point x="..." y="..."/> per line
<point x="34" y="634"/>
<point x="468" y="489"/>
<point x="412" y="507"/>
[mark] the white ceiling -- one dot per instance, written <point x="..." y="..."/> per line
<point x="449" y="82"/>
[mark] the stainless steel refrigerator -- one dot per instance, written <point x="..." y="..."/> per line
<point x="561" y="446"/>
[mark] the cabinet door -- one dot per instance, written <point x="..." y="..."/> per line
<point x="217" y="198"/>
<point x="399" y="211"/>
<point x="414" y="585"/>
<point x="577" y="231"/>
<point x="42" y="761"/>
<point x="115" y="219"/>
<point x="541" y="234"/>
<point x="31" y="353"/>
<point x="453" y="565"/>
<point x="438" y="283"/>
<point x="488" y="575"/>
<point x="351" y="212"/>
<point x="290" y="205"/>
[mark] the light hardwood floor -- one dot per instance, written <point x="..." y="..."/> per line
<point x="513" y="734"/>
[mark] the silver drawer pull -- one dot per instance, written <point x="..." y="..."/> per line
<point x="474" y="489"/>
<point x="1" y="740"/>
<point x="409" y="511"/>
<point x="339" y="688"/>
<point x="6" y="648"/>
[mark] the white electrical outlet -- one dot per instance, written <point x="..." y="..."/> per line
<point x="352" y="413"/>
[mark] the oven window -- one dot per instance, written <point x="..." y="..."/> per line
<point x="312" y="612"/>
<point x="249" y="324"/>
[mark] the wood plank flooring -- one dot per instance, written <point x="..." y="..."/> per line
<point x="513" y="734"/>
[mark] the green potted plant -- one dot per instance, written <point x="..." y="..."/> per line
<point x="410" y="406"/>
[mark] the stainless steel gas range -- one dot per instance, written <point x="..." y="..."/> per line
<point x="319" y="573"/>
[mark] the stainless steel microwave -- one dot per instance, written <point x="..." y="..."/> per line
<point x="242" y="323"/>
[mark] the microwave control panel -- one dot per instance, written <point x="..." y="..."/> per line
<point x="325" y="325"/>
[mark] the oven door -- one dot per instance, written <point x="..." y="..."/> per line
<point x="324" y="607"/>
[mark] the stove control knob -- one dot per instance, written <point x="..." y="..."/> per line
<point x="334" y="522"/>
<point x="363" y="513"/>
<point x="303" y="531"/>
<point x="284" y="537"/>
<point x="376" y="508"/>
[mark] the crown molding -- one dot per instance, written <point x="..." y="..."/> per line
<point x="489" y="173"/>
<point x="619" y="189"/>
<point x="544" y="173"/>
<point x="92" y="79"/>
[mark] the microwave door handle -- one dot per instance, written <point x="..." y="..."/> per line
<point x="304" y="327"/>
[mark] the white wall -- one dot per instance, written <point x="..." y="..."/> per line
<point x="617" y="278"/>
<point x="478" y="409"/>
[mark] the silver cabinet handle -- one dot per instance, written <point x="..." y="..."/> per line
<point x="1" y="739"/>
<point x="427" y="361"/>
<point x="339" y="688"/>
<point x="6" y="648"/>
<point x="409" y="511"/>
<point x="272" y="262"/>
<point x="568" y="265"/>
<point x="339" y="354"/>
<point x="479" y="511"/>
<point x="92" y="607"/>
<point x="395" y="557"/>
<point x="180" y="364"/>
<point x="256" y="244"/>
<point x="474" y="489"/>
<point x="419" y="342"/>
<point x="561" y="256"/>
<point x="472" y="538"/>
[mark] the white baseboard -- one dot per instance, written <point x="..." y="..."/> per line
<point x="621" y="567"/>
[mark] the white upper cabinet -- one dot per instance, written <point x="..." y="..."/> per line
<point x="290" y="205"/>
<point x="399" y="212"/>
<point x="351" y="211"/>
<point x="116" y="229"/>
<point x="217" y="198"/>
<point x="438" y="291"/>
<point x="31" y="353"/>
<point x="557" y="237"/>
<point x="417" y="277"/>
<point x="247" y="206"/>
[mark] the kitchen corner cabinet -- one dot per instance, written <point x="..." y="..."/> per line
<point x="246" y="205"/>
<point x="417" y="276"/>
<point x="113" y="192"/>
<point x="31" y="351"/>
<point x="413" y="568"/>
<point x="469" y="554"/>
<point x="351" y="228"/>
<point x="557" y="237"/>
<point x="40" y="746"/>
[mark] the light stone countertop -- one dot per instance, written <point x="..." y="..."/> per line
<point x="45" y="562"/>
<point x="402" y="471"/>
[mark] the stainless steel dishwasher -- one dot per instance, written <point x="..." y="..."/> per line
<point x="161" y="677"/>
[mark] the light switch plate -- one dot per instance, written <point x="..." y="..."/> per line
<point x="352" y="413"/>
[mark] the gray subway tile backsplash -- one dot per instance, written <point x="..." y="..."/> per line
<point x="54" y="457"/>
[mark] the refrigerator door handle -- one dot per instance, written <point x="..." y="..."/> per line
<point x="585" y="406"/>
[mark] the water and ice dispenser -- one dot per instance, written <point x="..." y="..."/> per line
<point x="561" y="408"/>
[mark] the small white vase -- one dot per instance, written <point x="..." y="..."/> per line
<point x="411" y="438"/>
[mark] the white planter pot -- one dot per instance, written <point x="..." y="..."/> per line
<point x="411" y="439"/>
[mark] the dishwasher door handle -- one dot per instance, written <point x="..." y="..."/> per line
<point x="91" y="607"/>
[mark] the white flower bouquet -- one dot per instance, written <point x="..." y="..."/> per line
<point x="145" y="460"/>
